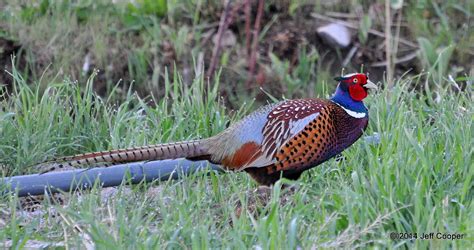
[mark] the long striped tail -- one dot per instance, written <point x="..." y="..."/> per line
<point x="187" y="149"/>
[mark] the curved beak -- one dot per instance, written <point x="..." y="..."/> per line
<point x="370" y="85"/>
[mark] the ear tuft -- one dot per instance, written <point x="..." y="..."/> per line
<point x="339" y="78"/>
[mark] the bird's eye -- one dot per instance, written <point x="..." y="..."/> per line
<point x="355" y="80"/>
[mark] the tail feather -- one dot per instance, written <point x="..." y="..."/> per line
<point x="187" y="149"/>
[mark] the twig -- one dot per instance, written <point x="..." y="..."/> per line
<point x="349" y="56"/>
<point x="253" y="56"/>
<point x="247" y="28"/>
<point x="403" y="59"/>
<point x="356" y="27"/>
<point x="397" y="35"/>
<point x="388" y="43"/>
<point x="200" y="64"/>
<point x="216" y="51"/>
<point x="341" y="15"/>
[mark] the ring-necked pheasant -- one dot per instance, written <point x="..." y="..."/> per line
<point x="281" y="139"/>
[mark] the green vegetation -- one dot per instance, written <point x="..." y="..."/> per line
<point x="130" y="43"/>
<point x="65" y="119"/>
<point x="151" y="87"/>
<point x="417" y="179"/>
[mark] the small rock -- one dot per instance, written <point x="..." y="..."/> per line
<point x="228" y="39"/>
<point x="335" y="34"/>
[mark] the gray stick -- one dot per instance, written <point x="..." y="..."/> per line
<point x="55" y="182"/>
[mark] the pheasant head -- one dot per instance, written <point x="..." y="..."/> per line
<point x="352" y="89"/>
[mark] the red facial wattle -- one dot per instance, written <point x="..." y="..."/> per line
<point x="357" y="92"/>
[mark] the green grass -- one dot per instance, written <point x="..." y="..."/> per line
<point x="418" y="179"/>
<point x="67" y="119"/>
